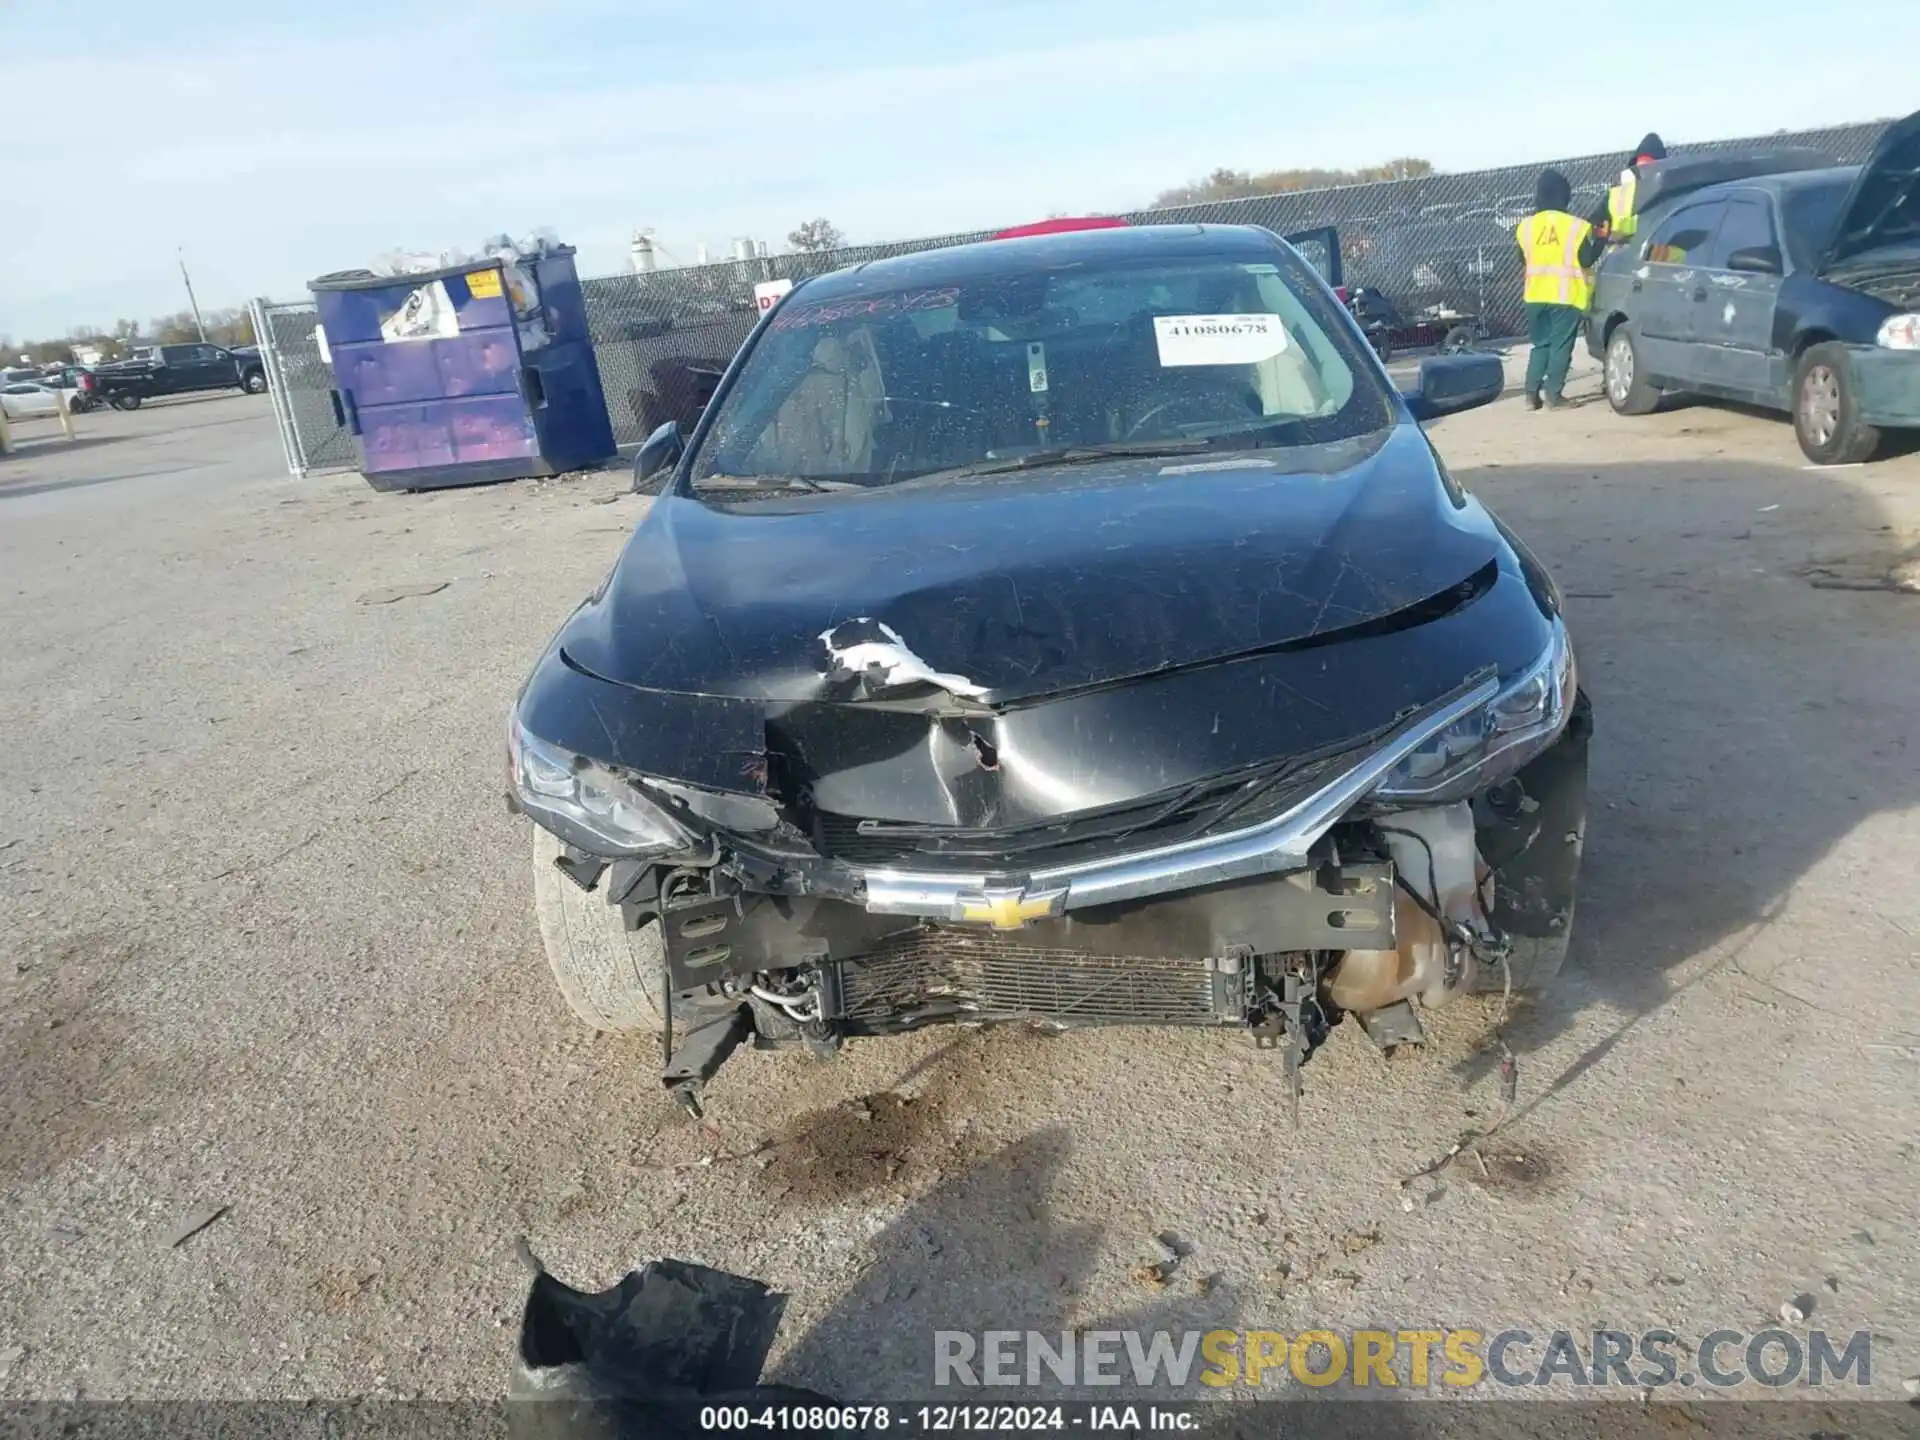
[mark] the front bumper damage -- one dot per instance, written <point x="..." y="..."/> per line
<point x="1280" y="927"/>
<point x="1204" y="846"/>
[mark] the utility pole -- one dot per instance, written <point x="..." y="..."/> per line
<point x="198" y="323"/>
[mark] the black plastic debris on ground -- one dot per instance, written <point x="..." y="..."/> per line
<point x="645" y="1357"/>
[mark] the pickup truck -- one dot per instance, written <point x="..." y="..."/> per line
<point x="180" y="370"/>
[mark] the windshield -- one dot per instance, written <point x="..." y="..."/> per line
<point x="892" y="385"/>
<point x="1809" y="213"/>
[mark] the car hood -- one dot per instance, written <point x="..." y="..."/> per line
<point x="1883" y="208"/>
<point x="1004" y="587"/>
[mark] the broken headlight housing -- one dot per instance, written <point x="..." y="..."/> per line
<point x="1899" y="332"/>
<point x="1494" y="741"/>
<point x="584" y="803"/>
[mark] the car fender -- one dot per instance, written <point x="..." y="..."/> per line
<point x="1810" y="312"/>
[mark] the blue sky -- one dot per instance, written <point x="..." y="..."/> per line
<point x="274" y="142"/>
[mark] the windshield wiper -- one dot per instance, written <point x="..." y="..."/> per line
<point x="774" y="482"/>
<point x="1073" y="455"/>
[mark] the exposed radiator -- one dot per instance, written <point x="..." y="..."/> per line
<point x="989" y="976"/>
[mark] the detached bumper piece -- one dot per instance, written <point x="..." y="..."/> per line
<point x="645" y="1358"/>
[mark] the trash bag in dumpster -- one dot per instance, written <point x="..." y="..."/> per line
<point x="646" y="1358"/>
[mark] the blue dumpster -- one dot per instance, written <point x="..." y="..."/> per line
<point x="471" y="373"/>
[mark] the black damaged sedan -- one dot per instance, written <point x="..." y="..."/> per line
<point x="1068" y="630"/>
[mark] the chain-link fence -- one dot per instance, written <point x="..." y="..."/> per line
<point x="1438" y="247"/>
<point x="311" y="425"/>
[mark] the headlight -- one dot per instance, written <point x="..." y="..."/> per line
<point x="584" y="803"/>
<point x="1899" y="332"/>
<point x="1491" y="743"/>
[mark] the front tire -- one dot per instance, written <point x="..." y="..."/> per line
<point x="125" y="402"/>
<point x="255" y="383"/>
<point x="1627" y="389"/>
<point x="1826" y="413"/>
<point x="612" y="978"/>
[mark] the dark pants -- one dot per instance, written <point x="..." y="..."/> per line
<point x="1552" y="329"/>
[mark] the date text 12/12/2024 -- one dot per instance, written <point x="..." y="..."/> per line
<point x="948" y="1419"/>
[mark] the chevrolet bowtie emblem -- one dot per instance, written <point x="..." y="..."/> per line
<point x="1008" y="909"/>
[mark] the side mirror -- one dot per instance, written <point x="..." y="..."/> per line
<point x="658" y="453"/>
<point x="1756" y="260"/>
<point x="1451" y="383"/>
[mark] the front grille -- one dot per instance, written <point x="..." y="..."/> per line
<point x="988" y="976"/>
<point x="1225" y="803"/>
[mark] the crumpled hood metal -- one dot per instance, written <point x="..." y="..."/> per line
<point x="1028" y="584"/>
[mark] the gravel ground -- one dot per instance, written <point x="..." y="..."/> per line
<point x="269" y="947"/>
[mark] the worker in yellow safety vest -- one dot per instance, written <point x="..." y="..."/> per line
<point x="1559" y="248"/>
<point x="1616" y="219"/>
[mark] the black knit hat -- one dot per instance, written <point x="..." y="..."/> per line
<point x="1652" y="147"/>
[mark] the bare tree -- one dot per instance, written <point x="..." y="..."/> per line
<point x="175" y="329"/>
<point x="815" y="235"/>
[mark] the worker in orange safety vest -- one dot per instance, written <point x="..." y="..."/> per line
<point x="1559" y="249"/>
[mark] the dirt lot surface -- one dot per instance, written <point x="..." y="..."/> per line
<point x="269" y="951"/>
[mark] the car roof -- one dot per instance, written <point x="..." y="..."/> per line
<point x="956" y="263"/>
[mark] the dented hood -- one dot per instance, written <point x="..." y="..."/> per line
<point x="1005" y="587"/>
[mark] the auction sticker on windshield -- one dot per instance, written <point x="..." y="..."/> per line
<point x="1218" y="339"/>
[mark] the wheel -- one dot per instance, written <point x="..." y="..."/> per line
<point x="1382" y="346"/>
<point x="1627" y="389"/>
<point x="125" y="402"/>
<point x="255" y="383"/>
<point x="1826" y="414"/>
<point x="1457" y="341"/>
<point x="612" y="978"/>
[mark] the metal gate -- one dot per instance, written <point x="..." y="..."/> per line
<point x="300" y="382"/>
